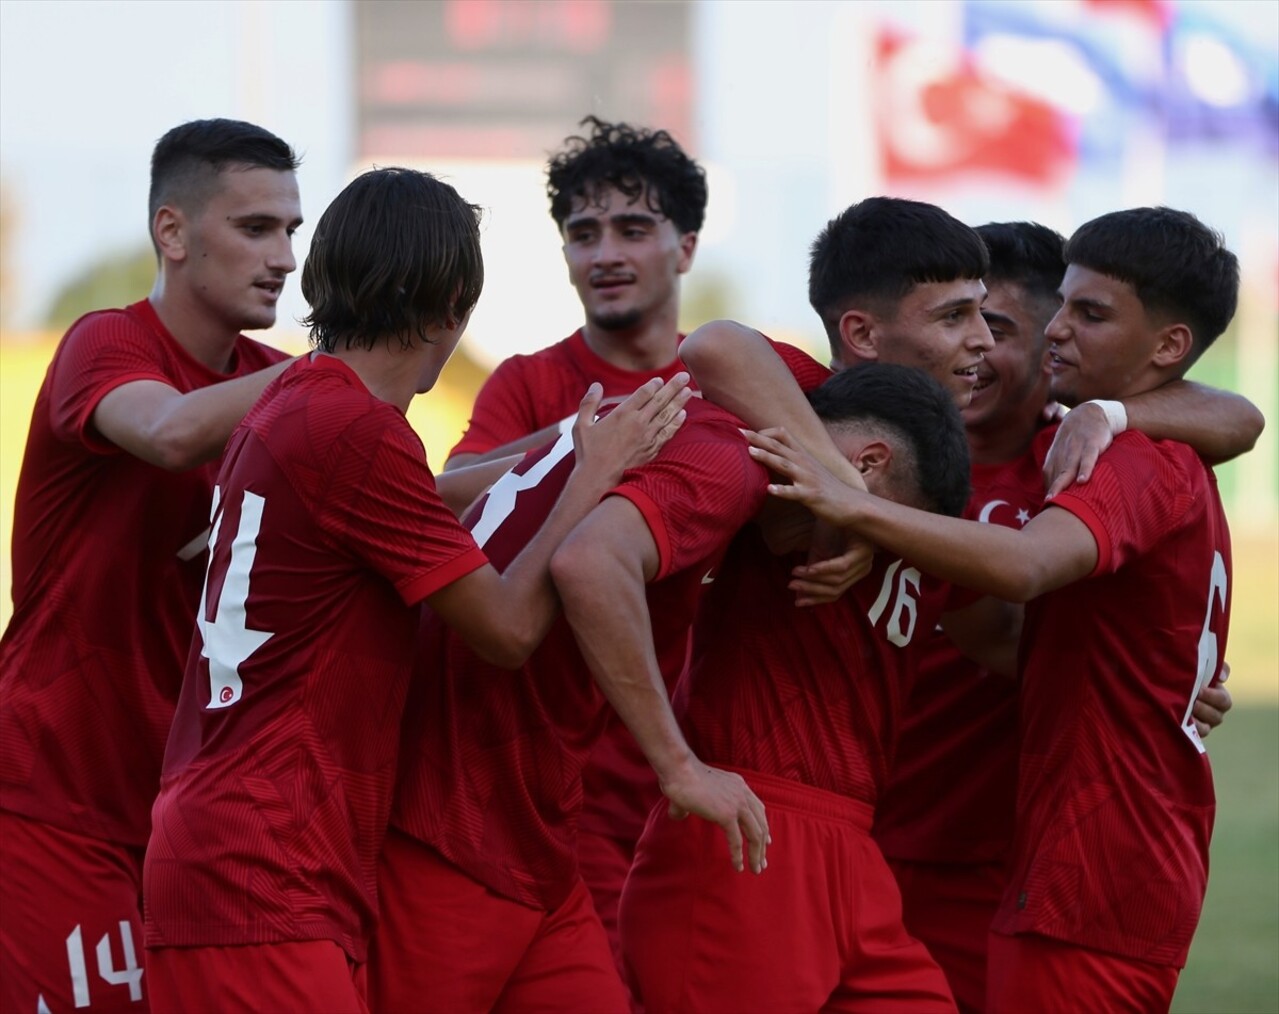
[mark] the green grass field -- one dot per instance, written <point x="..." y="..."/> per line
<point x="1234" y="961"/>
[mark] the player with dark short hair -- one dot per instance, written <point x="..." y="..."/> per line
<point x="1127" y="580"/>
<point x="110" y="527"/>
<point x="803" y="703"/>
<point x="328" y="532"/>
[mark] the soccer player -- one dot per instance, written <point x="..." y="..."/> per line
<point x="803" y="703"/>
<point x="327" y="532"/>
<point x="1127" y="579"/>
<point x="110" y="526"/>
<point x="628" y="203"/>
<point x="945" y="822"/>
<point x="484" y="904"/>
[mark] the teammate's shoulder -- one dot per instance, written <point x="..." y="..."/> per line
<point x="109" y="321"/>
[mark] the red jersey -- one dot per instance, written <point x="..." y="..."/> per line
<point x="108" y="556"/>
<point x="529" y="393"/>
<point x="954" y="781"/>
<point x="1115" y="800"/>
<point x="327" y="530"/>
<point x="814" y="694"/>
<point x="491" y="771"/>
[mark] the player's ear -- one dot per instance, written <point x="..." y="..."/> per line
<point x="687" y="248"/>
<point x="1176" y="342"/>
<point x="857" y="337"/>
<point x="874" y="458"/>
<point x="169" y="229"/>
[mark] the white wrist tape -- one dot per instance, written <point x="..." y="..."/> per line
<point x="1116" y="414"/>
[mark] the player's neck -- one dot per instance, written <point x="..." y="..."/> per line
<point x="1005" y="439"/>
<point x="649" y="346"/>
<point x="207" y="340"/>
<point x="391" y="373"/>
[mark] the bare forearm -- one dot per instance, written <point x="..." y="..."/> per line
<point x="1011" y="565"/>
<point x="1219" y="425"/>
<point x="737" y="369"/>
<point x="461" y="487"/>
<point x="179" y="431"/>
<point x="604" y="601"/>
<point x="514" y="447"/>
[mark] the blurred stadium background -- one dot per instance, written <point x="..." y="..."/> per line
<point x="1053" y="110"/>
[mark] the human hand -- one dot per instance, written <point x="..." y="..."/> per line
<point x="724" y="798"/>
<point x="837" y="560"/>
<point x="1212" y="704"/>
<point x="1082" y="436"/>
<point x="810" y="483"/>
<point x="632" y="433"/>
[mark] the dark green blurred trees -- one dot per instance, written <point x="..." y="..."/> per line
<point x="114" y="279"/>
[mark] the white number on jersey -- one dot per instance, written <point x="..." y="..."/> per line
<point x="1209" y="648"/>
<point x="503" y="493"/>
<point x="901" y="621"/>
<point x="129" y="974"/>
<point x="227" y="639"/>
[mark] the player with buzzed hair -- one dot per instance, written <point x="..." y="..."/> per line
<point x="1115" y="798"/>
<point x="110" y="527"/>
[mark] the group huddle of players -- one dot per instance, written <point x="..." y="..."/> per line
<point x="877" y="686"/>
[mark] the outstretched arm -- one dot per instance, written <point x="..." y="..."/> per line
<point x="1053" y="550"/>
<point x="175" y="431"/>
<point x="1219" y="425"/>
<point x="601" y="572"/>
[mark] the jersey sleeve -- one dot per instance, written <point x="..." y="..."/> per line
<point x="383" y="506"/>
<point x="505" y="409"/>
<point x="808" y="372"/>
<point x="101" y="352"/>
<point x="695" y="495"/>
<point x="1138" y="492"/>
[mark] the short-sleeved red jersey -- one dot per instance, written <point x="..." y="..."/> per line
<point x="491" y="770"/>
<point x="108" y="556"/>
<point x="1115" y="798"/>
<point x="954" y="780"/>
<point x="530" y="392"/>
<point x="812" y="694"/>
<point x="327" y="531"/>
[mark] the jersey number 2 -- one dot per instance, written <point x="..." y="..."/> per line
<point x="227" y="639"/>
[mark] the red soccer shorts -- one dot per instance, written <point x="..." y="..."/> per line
<point x="949" y="907"/>
<point x="446" y="943"/>
<point x="70" y="921"/>
<point x="820" y="929"/>
<point x="1029" y="972"/>
<point x="605" y="861"/>
<point x="307" y="975"/>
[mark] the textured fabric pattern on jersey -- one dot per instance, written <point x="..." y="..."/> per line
<point x="530" y="392"/>
<point x="107" y="564"/>
<point x="1115" y="798"/>
<point x="274" y="802"/>
<point x="64" y="895"/>
<point x="491" y="772"/>
<point x="953" y="786"/>
<point x="812" y="695"/>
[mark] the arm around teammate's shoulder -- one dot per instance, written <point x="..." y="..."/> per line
<point x="164" y="427"/>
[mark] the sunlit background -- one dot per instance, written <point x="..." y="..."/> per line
<point x="1056" y="110"/>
